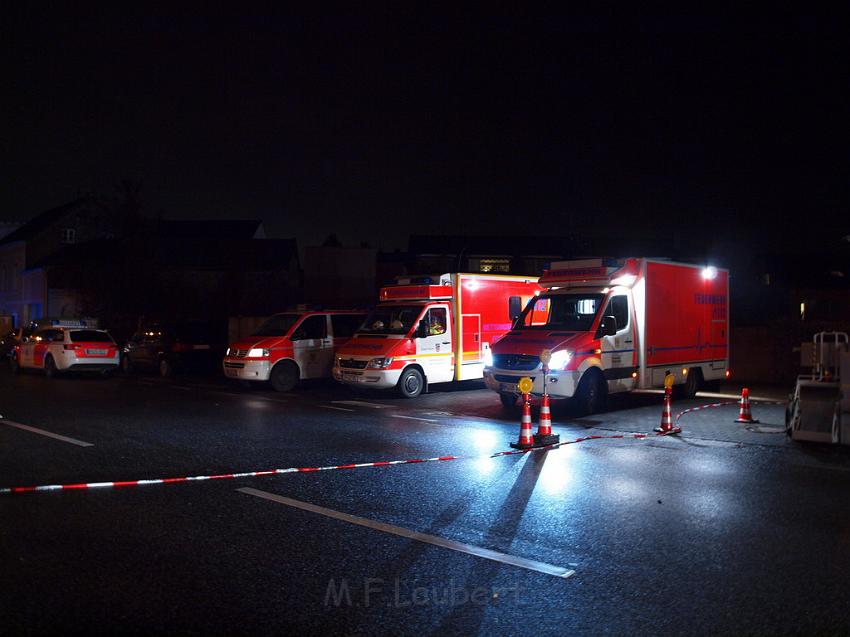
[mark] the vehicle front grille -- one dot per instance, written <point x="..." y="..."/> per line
<point x="519" y="362"/>
<point x="504" y="378"/>
<point x="350" y="363"/>
<point x="234" y="365"/>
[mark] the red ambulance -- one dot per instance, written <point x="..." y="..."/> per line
<point x="617" y="325"/>
<point x="432" y="330"/>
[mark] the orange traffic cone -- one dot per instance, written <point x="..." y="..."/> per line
<point x="544" y="435"/>
<point x="745" y="415"/>
<point x="667" y="414"/>
<point x="526" y="438"/>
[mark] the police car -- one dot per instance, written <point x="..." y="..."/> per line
<point x="67" y="348"/>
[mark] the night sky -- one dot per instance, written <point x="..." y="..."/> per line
<point x="383" y="120"/>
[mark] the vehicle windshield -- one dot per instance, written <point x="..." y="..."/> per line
<point x="277" y="325"/>
<point x="90" y="336"/>
<point x="391" y="319"/>
<point x="568" y="312"/>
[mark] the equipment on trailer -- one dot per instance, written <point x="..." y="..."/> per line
<point x="819" y="411"/>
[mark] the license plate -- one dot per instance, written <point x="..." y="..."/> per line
<point x="508" y="387"/>
<point x="96" y="352"/>
<point x="229" y="372"/>
<point x="357" y="378"/>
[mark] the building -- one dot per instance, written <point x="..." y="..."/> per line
<point x="24" y="293"/>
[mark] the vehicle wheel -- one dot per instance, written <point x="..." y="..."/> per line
<point x="508" y="400"/>
<point x="13" y="365"/>
<point x="692" y="385"/>
<point x="284" y="376"/>
<point x="592" y="393"/>
<point x="126" y="364"/>
<point x="50" y="367"/>
<point x="411" y="383"/>
<point x="165" y="368"/>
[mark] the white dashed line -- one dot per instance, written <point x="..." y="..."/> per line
<point x="477" y="551"/>
<point x="414" y="418"/>
<point x="337" y="408"/>
<point x="49" y="434"/>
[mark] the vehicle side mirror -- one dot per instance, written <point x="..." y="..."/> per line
<point x="421" y="330"/>
<point x="608" y="326"/>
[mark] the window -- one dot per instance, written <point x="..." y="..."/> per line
<point x="514" y="307"/>
<point x="618" y="307"/>
<point x="568" y="312"/>
<point x="437" y="321"/>
<point x="312" y="327"/>
<point x="345" y="324"/>
<point x="493" y="265"/>
<point x="90" y="336"/>
<point x="69" y="235"/>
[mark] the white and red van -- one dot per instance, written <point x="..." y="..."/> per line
<point x="291" y="346"/>
<point x="432" y="330"/>
<point x="617" y="325"/>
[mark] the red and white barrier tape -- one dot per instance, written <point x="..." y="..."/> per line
<point x="728" y="402"/>
<point x="270" y="472"/>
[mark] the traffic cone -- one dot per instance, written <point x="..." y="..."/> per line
<point x="667" y="414"/>
<point x="544" y="435"/>
<point x="745" y="415"/>
<point x="526" y="438"/>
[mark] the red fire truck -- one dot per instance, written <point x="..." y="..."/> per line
<point x="432" y="330"/>
<point x="617" y="325"/>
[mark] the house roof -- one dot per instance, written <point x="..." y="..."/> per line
<point x="208" y="228"/>
<point x="491" y="246"/>
<point x="246" y="254"/>
<point x="43" y="220"/>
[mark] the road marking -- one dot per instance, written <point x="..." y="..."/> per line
<point x="360" y="403"/>
<point x="337" y="408"/>
<point x="415" y="418"/>
<point x="49" y="434"/>
<point x="477" y="551"/>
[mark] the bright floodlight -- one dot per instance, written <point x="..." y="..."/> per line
<point x="709" y="273"/>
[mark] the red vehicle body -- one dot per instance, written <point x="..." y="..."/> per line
<point x="432" y="330"/>
<point x="617" y="325"/>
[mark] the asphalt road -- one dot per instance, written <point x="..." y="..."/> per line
<point x="716" y="531"/>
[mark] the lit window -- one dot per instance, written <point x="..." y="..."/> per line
<point x="494" y="265"/>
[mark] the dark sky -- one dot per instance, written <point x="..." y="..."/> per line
<point x="381" y="121"/>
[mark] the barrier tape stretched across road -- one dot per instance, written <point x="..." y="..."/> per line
<point x="362" y="465"/>
<point x="728" y="402"/>
<point x="270" y="472"/>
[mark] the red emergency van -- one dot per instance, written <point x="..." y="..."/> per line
<point x="617" y="325"/>
<point x="432" y="330"/>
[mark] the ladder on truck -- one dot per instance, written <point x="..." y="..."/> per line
<point x="814" y="412"/>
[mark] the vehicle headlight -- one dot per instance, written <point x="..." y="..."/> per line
<point x="227" y="353"/>
<point x="258" y="353"/>
<point x="560" y="359"/>
<point x="380" y="363"/>
<point x="488" y="358"/>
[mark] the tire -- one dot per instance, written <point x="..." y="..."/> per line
<point x="411" y="383"/>
<point x="127" y="364"/>
<point x="508" y="400"/>
<point x="592" y="393"/>
<point x="284" y="376"/>
<point x="13" y="365"/>
<point x="166" y="369"/>
<point x="692" y="384"/>
<point x="50" y="367"/>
